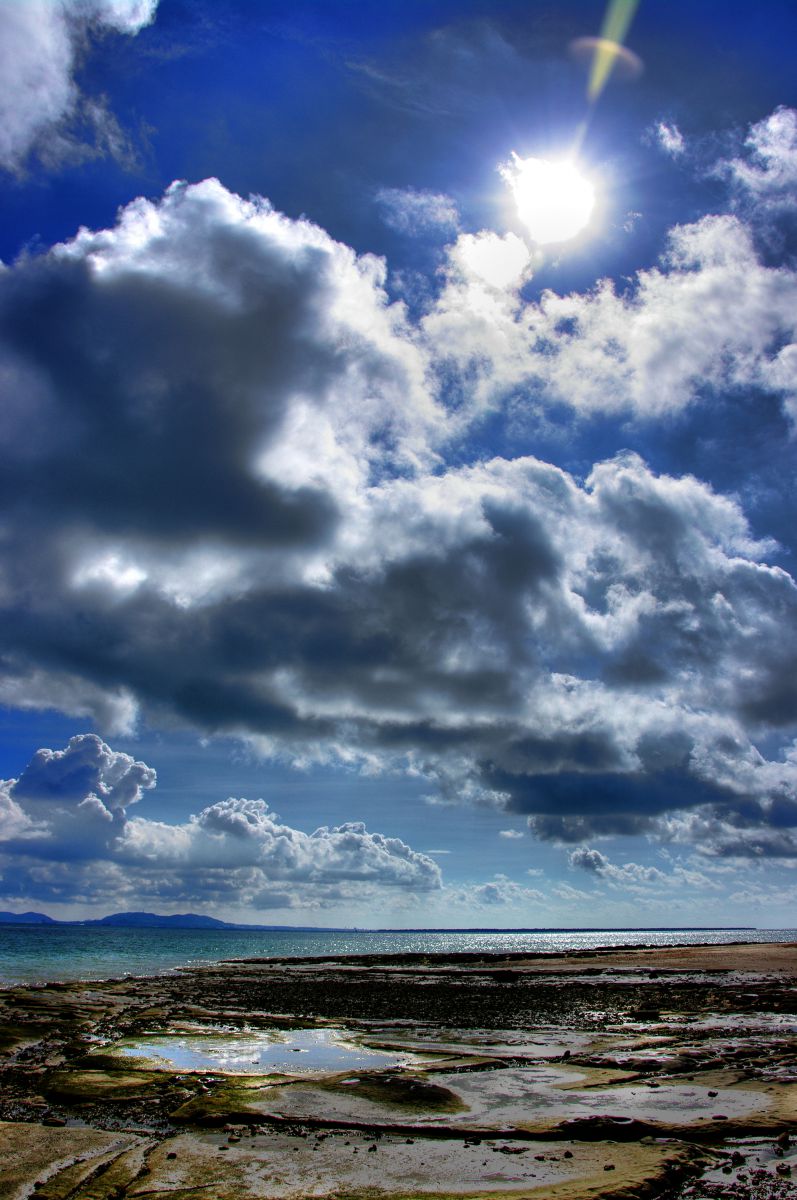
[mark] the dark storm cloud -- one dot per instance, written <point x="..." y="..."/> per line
<point x="232" y="511"/>
<point x="569" y="806"/>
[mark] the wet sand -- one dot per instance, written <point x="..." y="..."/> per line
<point x="632" y="1072"/>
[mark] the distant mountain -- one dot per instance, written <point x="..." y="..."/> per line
<point x="145" y="920"/>
<point x="26" y="918"/>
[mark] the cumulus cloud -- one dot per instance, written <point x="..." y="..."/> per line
<point x="87" y="769"/>
<point x="66" y="818"/>
<point x="275" y="378"/>
<point x="39" y="45"/>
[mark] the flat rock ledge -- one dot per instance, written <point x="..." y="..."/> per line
<point x="642" y="1072"/>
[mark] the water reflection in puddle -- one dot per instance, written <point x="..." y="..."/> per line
<point x="293" y="1052"/>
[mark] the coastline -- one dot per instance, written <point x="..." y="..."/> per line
<point x="66" y="953"/>
<point x="635" y="1070"/>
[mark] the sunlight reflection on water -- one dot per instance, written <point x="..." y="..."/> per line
<point x="293" y="1052"/>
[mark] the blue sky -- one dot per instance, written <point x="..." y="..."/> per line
<point x="368" y="557"/>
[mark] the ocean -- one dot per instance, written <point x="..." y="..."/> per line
<point x="40" y="954"/>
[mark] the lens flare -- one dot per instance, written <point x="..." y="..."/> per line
<point x="553" y="199"/>
<point x="606" y="57"/>
<point x="619" y="16"/>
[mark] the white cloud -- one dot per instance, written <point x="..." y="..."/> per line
<point x="14" y="822"/>
<point x="510" y="834"/>
<point x="485" y="260"/>
<point x="768" y="170"/>
<point x="499" y="892"/>
<point x="572" y="895"/>
<point x="652" y="350"/>
<point x="670" y="138"/>
<point x="38" y="46"/>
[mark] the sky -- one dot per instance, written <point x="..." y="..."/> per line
<point x="397" y="529"/>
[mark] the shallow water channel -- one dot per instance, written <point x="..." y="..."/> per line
<point x="290" y="1052"/>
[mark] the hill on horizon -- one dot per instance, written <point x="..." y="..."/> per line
<point x="147" y="920"/>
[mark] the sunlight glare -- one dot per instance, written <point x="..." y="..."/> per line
<point x="553" y="199"/>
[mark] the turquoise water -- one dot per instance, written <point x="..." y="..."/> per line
<point x="37" y="954"/>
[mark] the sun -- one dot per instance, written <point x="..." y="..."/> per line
<point x="553" y="199"/>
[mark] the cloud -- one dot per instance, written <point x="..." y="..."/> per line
<point x="588" y="860"/>
<point x="746" y="836"/>
<point x="499" y="892"/>
<point x="637" y="879"/>
<point x="510" y="834"/>
<point x="263" y="337"/>
<point x="656" y="348"/>
<point x="66" y="818"/>
<point x="39" y="45"/>
<point x="252" y="529"/>
<point x="630" y="876"/>
<point x="86" y="769"/>
<point x="571" y="895"/>
<point x="768" y="169"/>
<point x="415" y="212"/>
<point x="670" y="138"/>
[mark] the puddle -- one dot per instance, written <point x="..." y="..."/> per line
<point x="289" y="1052"/>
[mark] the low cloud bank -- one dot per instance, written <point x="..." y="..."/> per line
<point x="66" y="835"/>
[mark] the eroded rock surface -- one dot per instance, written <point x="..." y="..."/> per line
<point x="666" y="1072"/>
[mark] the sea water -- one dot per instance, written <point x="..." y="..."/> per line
<point x="49" y="953"/>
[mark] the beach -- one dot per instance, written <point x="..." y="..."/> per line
<point x="664" y="1071"/>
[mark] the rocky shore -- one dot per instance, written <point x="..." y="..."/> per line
<point x="616" y="1073"/>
